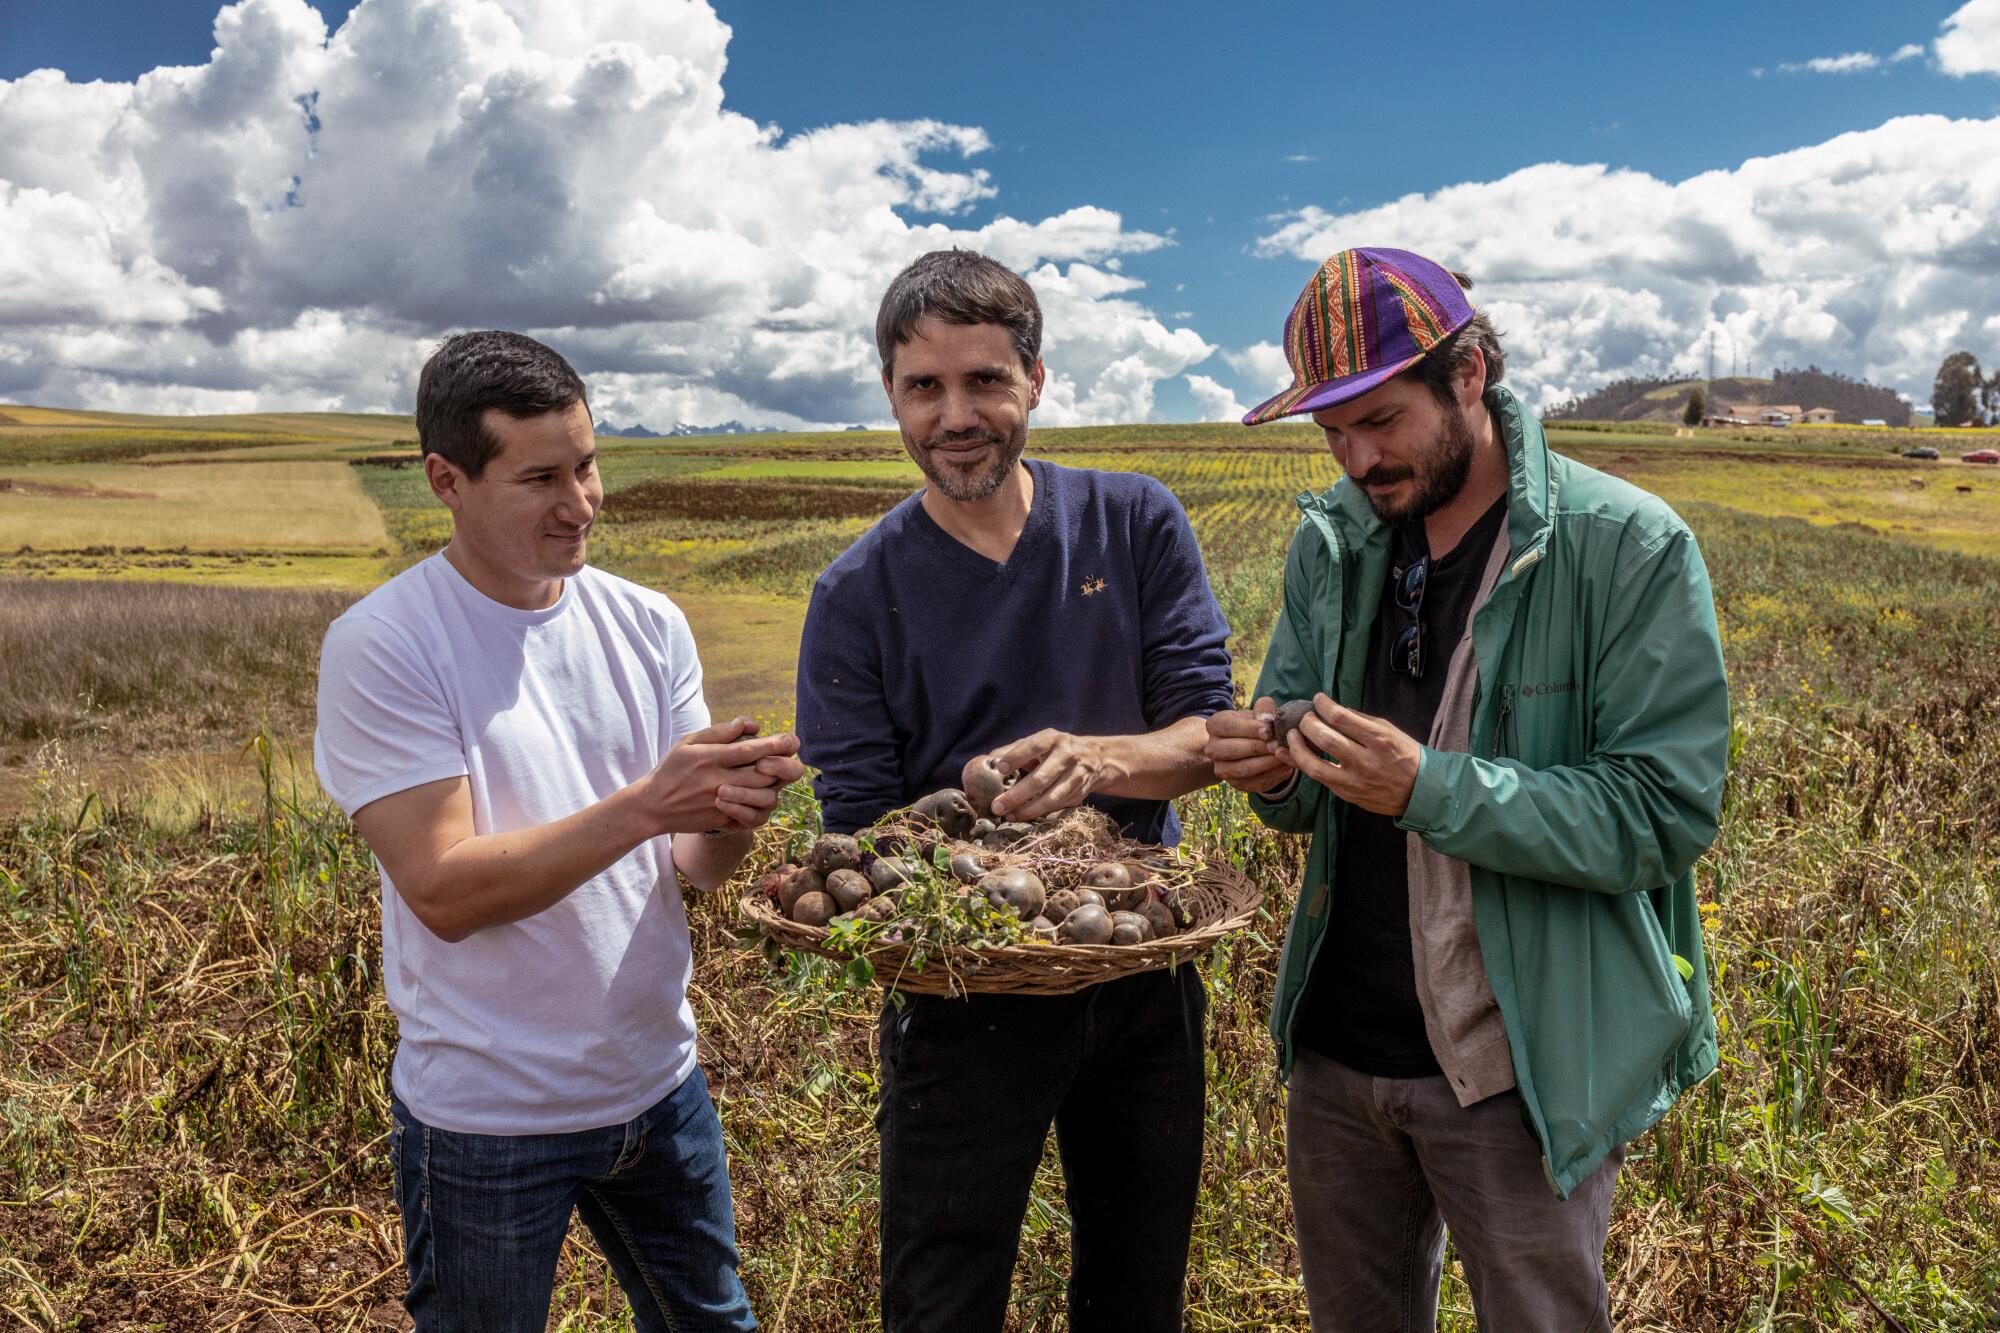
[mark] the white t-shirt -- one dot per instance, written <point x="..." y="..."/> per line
<point x="577" y="1017"/>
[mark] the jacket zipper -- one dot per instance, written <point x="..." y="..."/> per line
<point x="1333" y="683"/>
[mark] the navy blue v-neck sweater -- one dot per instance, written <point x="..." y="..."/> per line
<point x="919" y="653"/>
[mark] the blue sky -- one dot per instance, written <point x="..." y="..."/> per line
<point x="1211" y="126"/>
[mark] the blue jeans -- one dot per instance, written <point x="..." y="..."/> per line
<point x="484" y="1216"/>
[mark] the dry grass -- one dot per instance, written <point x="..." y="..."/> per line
<point x="208" y="506"/>
<point x="153" y="666"/>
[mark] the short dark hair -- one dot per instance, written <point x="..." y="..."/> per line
<point x="471" y="372"/>
<point x="1441" y="364"/>
<point x="959" y="287"/>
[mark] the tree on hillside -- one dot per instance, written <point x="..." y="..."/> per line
<point x="1955" y="394"/>
<point x="1697" y="404"/>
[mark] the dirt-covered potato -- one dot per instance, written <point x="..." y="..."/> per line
<point x="980" y="828"/>
<point x="1129" y="928"/>
<point x="771" y="881"/>
<point x="967" y="867"/>
<point x="1061" y="903"/>
<point x="1004" y="836"/>
<point x="880" y="910"/>
<point x="984" y="780"/>
<point x="1042" y="928"/>
<point x="1289" y="717"/>
<point x="848" y="889"/>
<point x="835" y="851"/>
<point x="892" y="843"/>
<point x="948" y="810"/>
<point x="889" y="873"/>
<point x="1088" y="924"/>
<point x="1015" y="887"/>
<point x="1160" y="917"/>
<point x="802" y="881"/>
<point x="813" y="909"/>
<point x="1089" y="896"/>
<point x="1122" y="885"/>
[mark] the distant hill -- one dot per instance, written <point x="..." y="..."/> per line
<point x="1852" y="400"/>
<point x="643" y="432"/>
<point x="357" y="426"/>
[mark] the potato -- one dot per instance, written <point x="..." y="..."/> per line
<point x="1041" y="928"/>
<point x="984" y="780"/>
<point x="967" y="867"/>
<point x="813" y="909"/>
<point x="1061" y="903"/>
<point x="1123" y="889"/>
<point x="1289" y="718"/>
<point x="879" y="910"/>
<point x="835" y="851"/>
<point x="848" y="889"/>
<point x="1090" y="896"/>
<point x="948" y="810"/>
<point x="801" y="883"/>
<point x="772" y="881"/>
<point x="1004" y="836"/>
<point x="888" y="873"/>
<point x="1088" y="924"/>
<point x="1129" y="928"/>
<point x="1015" y="887"/>
<point x="1160" y="917"/>
<point x="892" y="844"/>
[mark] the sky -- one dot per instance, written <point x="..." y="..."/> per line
<point x="273" y="206"/>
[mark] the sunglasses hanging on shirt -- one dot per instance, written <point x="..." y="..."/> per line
<point x="1406" y="655"/>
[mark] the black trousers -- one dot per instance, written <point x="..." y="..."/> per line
<point x="969" y="1089"/>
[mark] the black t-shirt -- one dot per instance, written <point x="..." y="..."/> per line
<point x="1361" y="1004"/>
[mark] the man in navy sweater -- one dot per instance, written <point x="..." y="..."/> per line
<point x="1060" y="619"/>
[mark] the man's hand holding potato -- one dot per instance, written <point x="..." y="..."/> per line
<point x="1243" y="748"/>
<point x="1363" y="760"/>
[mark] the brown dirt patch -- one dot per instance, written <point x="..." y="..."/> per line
<point x="678" y="497"/>
<point x="63" y="491"/>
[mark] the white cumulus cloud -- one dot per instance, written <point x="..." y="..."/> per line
<point x="1263" y="364"/>
<point x="1216" y="401"/>
<point x="294" y="222"/>
<point x="1970" y="40"/>
<point x="1874" y="253"/>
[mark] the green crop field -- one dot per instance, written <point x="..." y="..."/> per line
<point x="193" y="1042"/>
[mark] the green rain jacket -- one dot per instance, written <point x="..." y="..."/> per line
<point x="1600" y="737"/>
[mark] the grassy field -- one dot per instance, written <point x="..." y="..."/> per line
<point x="204" y="506"/>
<point x="192" y="1042"/>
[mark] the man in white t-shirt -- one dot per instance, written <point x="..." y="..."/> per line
<point x="522" y="741"/>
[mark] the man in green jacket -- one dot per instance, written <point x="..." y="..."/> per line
<point x="1514" y="754"/>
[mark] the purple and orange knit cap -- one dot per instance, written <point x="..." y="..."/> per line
<point x="1367" y="316"/>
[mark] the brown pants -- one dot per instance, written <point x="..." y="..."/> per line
<point x="1381" y="1167"/>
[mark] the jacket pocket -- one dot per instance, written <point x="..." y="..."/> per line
<point x="1506" y="738"/>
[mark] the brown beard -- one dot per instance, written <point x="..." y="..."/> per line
<point x="955" y="483"/>
<point x="1440" y="472"/>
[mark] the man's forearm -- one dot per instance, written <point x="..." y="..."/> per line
<point x="1158" y="765"/>
<point x="495" y="878"/>
<point x="707" y="861"/>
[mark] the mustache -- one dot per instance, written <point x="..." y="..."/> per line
<point x="963" y="437"/>
<point x="1385" y="476"/>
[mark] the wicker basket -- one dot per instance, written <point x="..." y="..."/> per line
<point x="1219" y="900"/>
